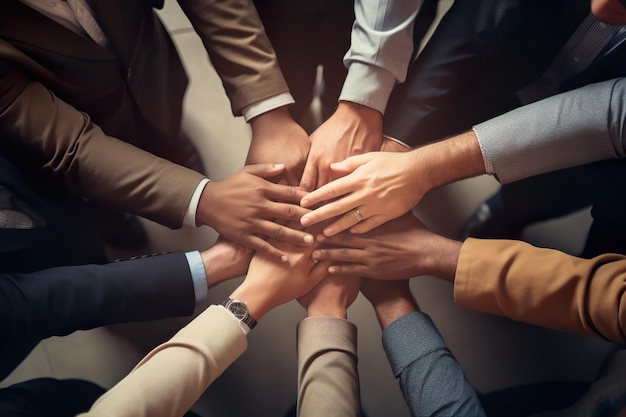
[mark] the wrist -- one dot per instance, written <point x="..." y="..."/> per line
<point x="224" y="261"/>
<point x="442" y="260"/>
<point x="363" y="111"/>
<point x="327" y="311"/>
<point x="387" y="311"/>
<point x="256" y="300"/>
<point x="451" y="159"/>
<point x="268" y="120"/>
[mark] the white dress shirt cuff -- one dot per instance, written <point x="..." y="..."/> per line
<point x="486" y="160"/>
<point x="192" y="208"/>
<point x="198" y="276"/>
<point x="398" y="141"/>
<point x="243" y="326"/>
<point x="368" y="85"/>
<point x="263" y="106"/>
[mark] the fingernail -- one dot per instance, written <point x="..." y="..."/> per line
<point x="305" y="221"/>
<point x="279" y="165"/>
<point x="316" y="254"/>
<point x="321" y="238"/>
<point x="329" y="232"/>
<point x="284" y="258"/>
<point x="308" y="239"/>
<point x="304" y="202"/>
<point x="332" y="270"/>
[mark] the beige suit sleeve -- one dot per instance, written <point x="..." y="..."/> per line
<point x="328" y="380"/>
<point x="240" y="51"/>
<point x="545" y="287"/>
<point x="169" y="380"/>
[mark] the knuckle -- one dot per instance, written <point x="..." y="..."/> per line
<point x="348" y="269"/>
<point x="343" y="253"/>
<point x="279" y="232"/>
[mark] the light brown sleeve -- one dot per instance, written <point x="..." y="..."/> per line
<point x="240" y="51"/>
<point x="545" y="287"/>
<point x="328" y="380"/>
<point x="170" y="379"/>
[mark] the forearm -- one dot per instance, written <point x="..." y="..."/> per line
<point x="449" y="160"/>
<point x="584" y="125"/>
<point x="544" y="287"/>
<point x="225" y="260"/>
<point x="170" y="379"/>
<point x="328" y="381"/>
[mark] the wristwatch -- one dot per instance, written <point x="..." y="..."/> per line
<point x="240" y="311"/>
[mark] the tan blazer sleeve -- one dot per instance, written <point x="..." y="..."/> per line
<point x="328" y="380"/>
<point x="55" y="136"/>
<point x="170" y="379"/>
<point x="240" y="51"/>
<point x="545" y="287"/>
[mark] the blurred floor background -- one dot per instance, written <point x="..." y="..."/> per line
<point x="495" y="352"/>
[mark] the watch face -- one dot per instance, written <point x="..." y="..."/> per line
<point x="239" y="309"/>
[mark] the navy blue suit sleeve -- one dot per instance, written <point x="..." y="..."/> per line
<point x="432" y="381"/>
<point x="58" y="301"/>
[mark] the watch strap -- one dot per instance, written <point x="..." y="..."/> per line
<point x="240" y="310"/>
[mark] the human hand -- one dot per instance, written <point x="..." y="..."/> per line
<point x="390" y="299"/>
<point x="225" y="260"/>
<point x="400" y="249"/>
<point x="246" y="207"/>
<point x="380" y="185"/>
<point x="269" y="284"/>
<point x="352" y="129"/>
<point x="331" y="297"/>
<point x="277" y="138"/>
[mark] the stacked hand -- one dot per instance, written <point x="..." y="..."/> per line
<point x="246" y="208"/>
<point x="400" y="249"/>
<point x="269" y="283"/>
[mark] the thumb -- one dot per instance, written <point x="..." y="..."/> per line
<point x="309" y="177"/>
<point x="265" y="170"/>
<point x="348" y="165"/>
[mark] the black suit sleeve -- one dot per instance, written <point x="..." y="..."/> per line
<point x="58" y="301"/>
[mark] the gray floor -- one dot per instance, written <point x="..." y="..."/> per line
<point x="494" y="352"/>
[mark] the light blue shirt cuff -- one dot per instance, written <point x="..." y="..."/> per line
<point x="368" y="85"/>
<point x="198" y="276"/>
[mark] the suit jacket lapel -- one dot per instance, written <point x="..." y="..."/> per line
<point x="22" y="25"/>
<point x="113" y="16"/>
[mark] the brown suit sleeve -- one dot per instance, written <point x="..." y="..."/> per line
<point x="55" y="136"/>
<point x="239" y="49"/>
<point x="545" y="287"/>
<point x="328" y="380"/>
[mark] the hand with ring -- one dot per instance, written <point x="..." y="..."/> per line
<point x="374" y="188"/>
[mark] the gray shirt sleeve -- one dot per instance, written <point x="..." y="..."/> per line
<point x="569" y="129"/>
<point x="431" y="379"/>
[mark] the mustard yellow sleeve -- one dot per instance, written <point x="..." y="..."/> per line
<point x="544" y="287"/>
